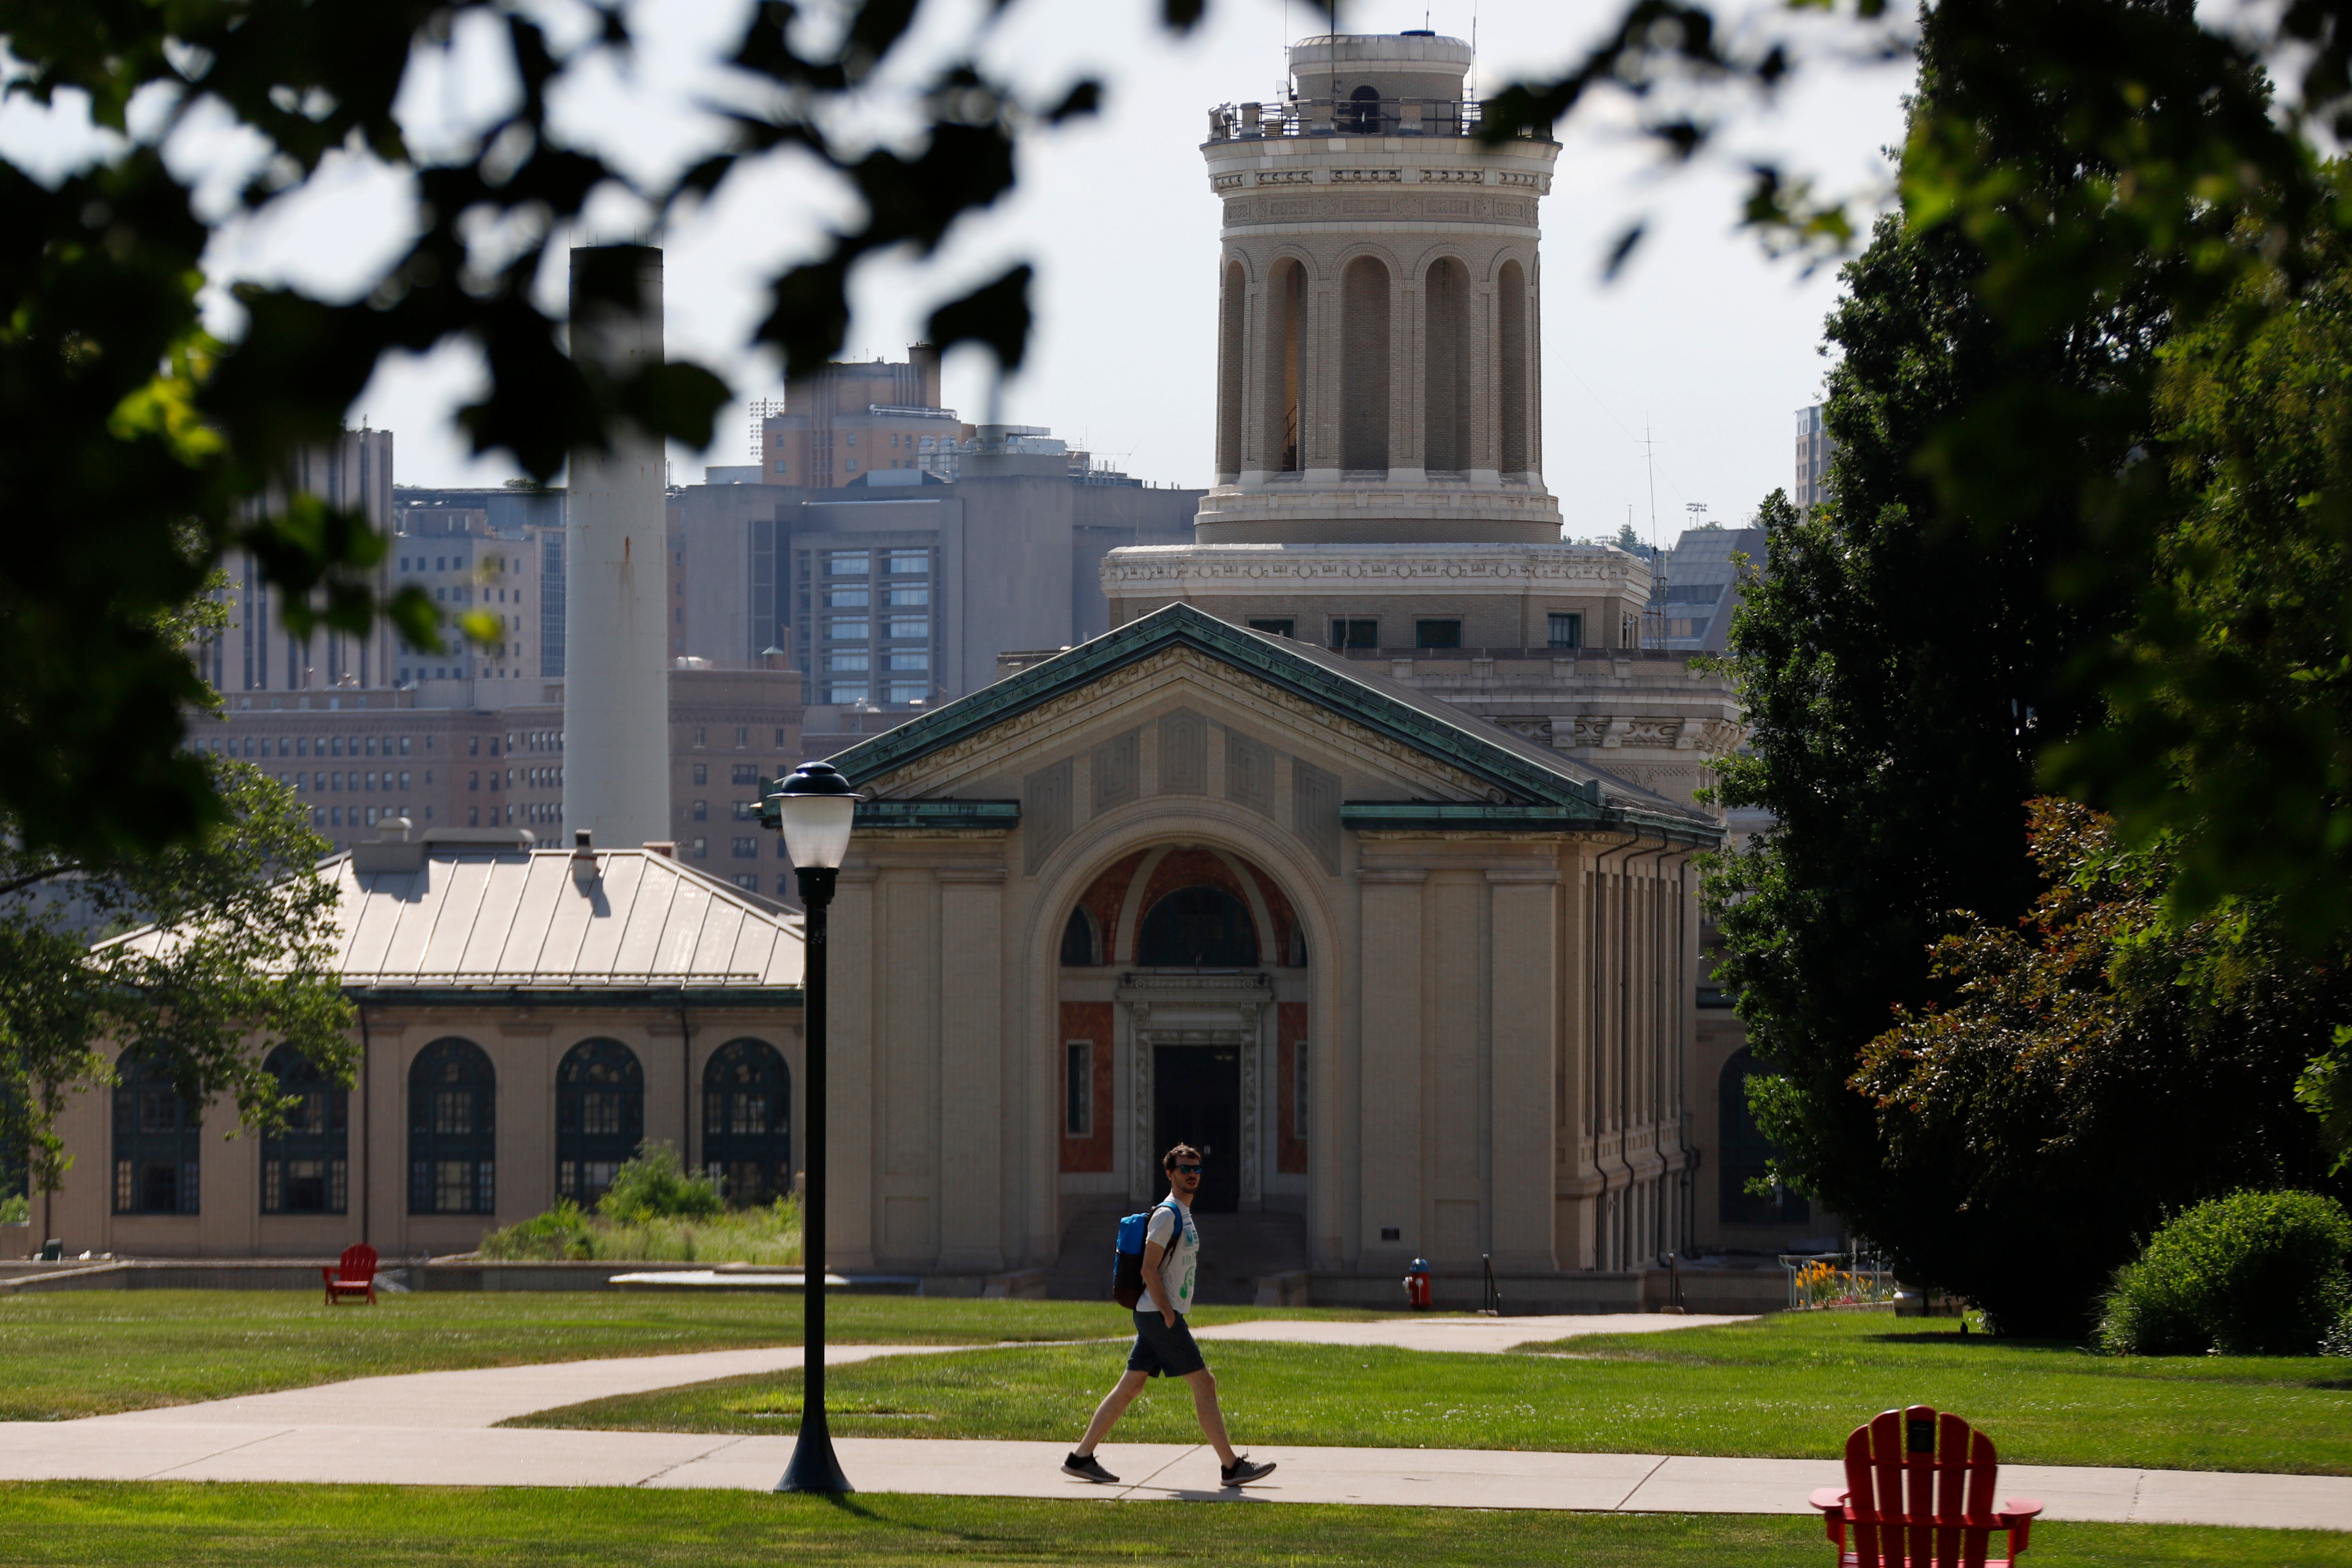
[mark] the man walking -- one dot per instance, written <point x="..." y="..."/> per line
<point x="1163" y="1343"/>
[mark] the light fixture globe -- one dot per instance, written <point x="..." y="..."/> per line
<point x="816" y="807"/>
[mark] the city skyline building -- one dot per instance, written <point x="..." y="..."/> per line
<point x="1815" y="452"/>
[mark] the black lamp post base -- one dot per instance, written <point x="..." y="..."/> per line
<point x="813" y="1468"/>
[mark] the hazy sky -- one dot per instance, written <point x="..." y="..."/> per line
<point x="1703" y="344"/>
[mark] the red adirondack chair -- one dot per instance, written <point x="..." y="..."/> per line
<point x="1918" y="1494"/>
<point x="354" y="1276"/>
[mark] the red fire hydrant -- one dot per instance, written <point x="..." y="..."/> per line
<point x="1416" y="1284"/>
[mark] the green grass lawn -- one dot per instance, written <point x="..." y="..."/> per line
<point x="1788" y="1386"/>
<point x="86" y="1353"/>
<point x="193" y="1526"/>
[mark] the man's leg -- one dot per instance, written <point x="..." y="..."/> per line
<point x="1205" y="1406"/>
<point x="1114" y="1405"/>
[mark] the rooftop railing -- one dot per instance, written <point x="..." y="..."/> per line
<point x="1352" y="117"/>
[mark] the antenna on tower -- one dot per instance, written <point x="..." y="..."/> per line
<point x="1653" y="614"/>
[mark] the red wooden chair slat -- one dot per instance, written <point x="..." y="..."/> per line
<point x="354" y="1276"/>
<point x="1919" y="1494"/>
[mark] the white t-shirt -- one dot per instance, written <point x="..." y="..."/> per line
<point x="1177" y="1268"/>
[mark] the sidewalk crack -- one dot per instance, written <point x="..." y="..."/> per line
<point x="2139" y="1485"/>
<point x="217" y="1453"/>
<point x="1619" y="1505"/>
<point x="692" y="1460"/>
<point x="1130" y="1487"/>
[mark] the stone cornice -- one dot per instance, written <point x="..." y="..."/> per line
<point x="1349" y="569"/>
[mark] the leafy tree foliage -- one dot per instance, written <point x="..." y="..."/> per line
<point x="227" y="947"/>
<point x="211" y="942"/>
<point x="2085" y="153"/>
<point x="134" y="451"/>
<point x="2232" y="687"/>
<point x="2095" y="1069"/>
<point x="1898" y="663"/>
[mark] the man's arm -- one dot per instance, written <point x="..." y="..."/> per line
<point x="1154" y="1255"/>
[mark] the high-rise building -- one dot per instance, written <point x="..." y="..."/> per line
<point x="367" y="729"/>
<point x="894" y="585"/>
<point x="1814" y="450"/>
<point x="256" y="652"/>
<point x="1703" y="576"/>
<point x="853" y="419"/>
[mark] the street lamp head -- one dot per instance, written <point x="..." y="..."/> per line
<point x="814" y="807"/>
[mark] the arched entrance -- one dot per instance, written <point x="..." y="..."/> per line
<point x="1183" y="1006"/>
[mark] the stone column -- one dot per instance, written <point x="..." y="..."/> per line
<point x="849" y="1066"/>
<point x="971" y="1070"/>
<point x="1524" y="954"/>
<point x="1390" y="1081"/>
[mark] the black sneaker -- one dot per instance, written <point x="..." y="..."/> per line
<point x="1242" y="1471"/>
<point x="1086" y="1467"/>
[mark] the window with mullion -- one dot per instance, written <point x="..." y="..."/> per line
<point x="452" y="1130"/>
<point x="600" y="1116"/>
<point x="306" y="1168"/>
<point x="158" y="1137"/>
<point x="747" y="1120"/>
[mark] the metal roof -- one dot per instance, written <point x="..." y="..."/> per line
<point x="473" y="917"/>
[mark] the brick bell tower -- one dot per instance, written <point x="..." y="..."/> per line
<point x="1379" y="319"/>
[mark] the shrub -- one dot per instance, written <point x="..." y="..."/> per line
<point x="561" y="1233"/>
<point x="16" y="1210"/>
<point x="654" y="1211"/>
<point x="2255" y="1273"/>
<point x="653" y="1186"/>
<point x="770" y="1235"/>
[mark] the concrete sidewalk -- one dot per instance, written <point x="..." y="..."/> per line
<point x="437" y="1428"/>
<point x="484" y="1396"/>
<point x="116" y="1447"/>
<point x="1489" y="1336"/>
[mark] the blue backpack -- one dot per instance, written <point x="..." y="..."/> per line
<point x="1127" y="1259"/>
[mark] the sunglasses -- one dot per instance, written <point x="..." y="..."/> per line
<point x="1185" y="1170"/>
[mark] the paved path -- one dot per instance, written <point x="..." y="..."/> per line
<point x="436" y="1428"/>
<point x="439" y="1401"/>
<point x="1491" y="1336"/>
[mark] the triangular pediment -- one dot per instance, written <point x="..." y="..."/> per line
<point x="1387" y="741"/>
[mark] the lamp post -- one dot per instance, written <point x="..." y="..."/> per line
<point x="813" y="810"/>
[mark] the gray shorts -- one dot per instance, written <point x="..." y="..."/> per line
<point x="1162" y="1351"/>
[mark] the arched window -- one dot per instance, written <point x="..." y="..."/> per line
<point x="600" y="1117"/>
<point x="1364" y="367"/>
<point x="1360" y="113"/>
<point x="1285" y="334"/>
<point x="1747" y="1155"/>
<point x="1079" y="946"/>
<point x="306" y="1169"/>
<point x="747" y="1120"/>
<point x="1230" y="321"/>
<point x="1445" y="391"/>
<point x="157" y="1136"/>
<point x="453" y="1100"/>
<point x="1198" y="927"/>
<point x="1511" y="367"/>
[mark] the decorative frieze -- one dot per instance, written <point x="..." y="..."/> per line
<point x="1459" y="177"/>
<point x="1136" y="571"/>
<point x="1449" y="203"/>
<point x="1366" y="176"/>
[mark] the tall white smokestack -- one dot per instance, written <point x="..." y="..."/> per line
<point x="616" y="677"/>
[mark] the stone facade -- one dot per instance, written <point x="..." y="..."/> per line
<point x="1380" y="334"/>
<point x="1450" y="1017"/>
